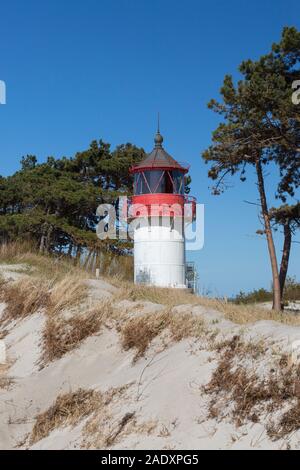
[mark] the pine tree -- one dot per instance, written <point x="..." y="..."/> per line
<point x="260" y="126"/>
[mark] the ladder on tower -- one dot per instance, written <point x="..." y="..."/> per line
<point x="191" y="276"/>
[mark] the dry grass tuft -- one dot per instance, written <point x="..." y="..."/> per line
<point x="5" y="381"/>
<point x="68" y="409"/>
<point x="109" y="425"/>
<point x="31" y="294"/>
<point x="247" y="396"/>
<point x="138" y="332"/>
<point x="185" y="325"/>
<point x="2" y="283"/>
<point x="111" y="438"/>
<point x="104" y="429"/>
<point x="47" y="266"/>
<point x="62" y="335"/>
<point x="24" y="297"/>
<point x="237" y="347"/>
<point x="115" y="268"/>
<point x="288" y="423"/>
<point x="55" y="287"/>
<point x="4" y="332"/>
<point x="241" y="314"/>
<point x="66" y="293"/>
<point x="10" y="251"/>
<point x="158" y="295"/>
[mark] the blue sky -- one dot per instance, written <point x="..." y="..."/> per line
<point x="82" y="70"/>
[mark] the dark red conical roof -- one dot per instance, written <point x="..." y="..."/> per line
<point x="159" y="159"/>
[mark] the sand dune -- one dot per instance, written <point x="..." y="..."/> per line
<point x="154" y="402"/>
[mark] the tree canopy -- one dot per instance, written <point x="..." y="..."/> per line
<point x="54" y="203"/>
<point x="260" y="125"/>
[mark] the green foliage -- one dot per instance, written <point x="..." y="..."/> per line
<point x="286" y="214"/>
<point x="54" y="203"/>
<point x="261" y="126"/>
<point x="291" y="293"/>
<point x="257" y="295"/>
<point x="291" y="289"/>
<point x="260" y="120"/>
<point x="28" y="162"/>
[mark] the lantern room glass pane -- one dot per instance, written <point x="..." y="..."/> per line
<point x="159" y="181"/>
<point x="178" y="179"/>
<point x="155" y="180"/>
<point x="140" y="184"/>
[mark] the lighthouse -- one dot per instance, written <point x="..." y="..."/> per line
<point x="160" y="209"/>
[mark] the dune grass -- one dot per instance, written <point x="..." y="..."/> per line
<point x="56" y="286"/>
<point x="240" y="314"/>
<point x="31" y="294"/>
<point x="52" y="268"/>
<point x="99" y="431"/>
<point x="24" y="297"/>
<point x="44" y="266"/>
<point x="245" y="314"/>
<point x="138" y="333"/>
<point x="237" y="391"/>
<point x="62" y="335"/>
<point x="68" y="409"/>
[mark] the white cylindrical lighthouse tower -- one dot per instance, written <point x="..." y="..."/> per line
<point x="158" y="210"/>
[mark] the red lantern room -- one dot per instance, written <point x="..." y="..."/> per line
<point x="159" y="184"/>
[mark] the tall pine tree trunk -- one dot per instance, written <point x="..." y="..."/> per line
<point x="78" y="255"/>
<point x="87" y="260"/>
<point x="269" y="235"/>
<point x="70" y="249"/>
<point x="42" y="243"/>
<point x="43" y="239"/>
<point x="285" y="256"/>
<point x="48" y="238"/>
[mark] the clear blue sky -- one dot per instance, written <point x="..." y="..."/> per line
<point x="82" y="70"/>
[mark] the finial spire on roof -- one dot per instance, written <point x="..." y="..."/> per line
<point x="158" y="158"/>
<point x="158" y="139"/>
